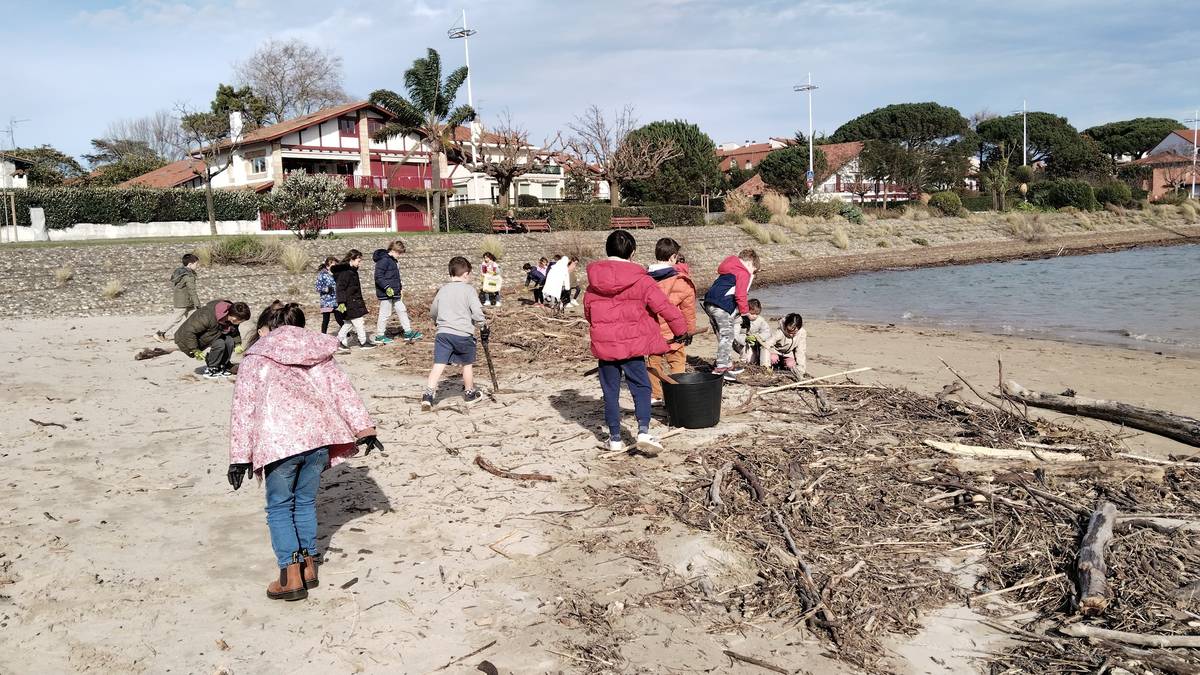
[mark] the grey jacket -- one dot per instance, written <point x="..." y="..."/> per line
<point x="183" y="283"/>
<point x="456" y="309"/>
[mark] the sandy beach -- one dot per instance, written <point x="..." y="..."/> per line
<point x="122" y="548"/>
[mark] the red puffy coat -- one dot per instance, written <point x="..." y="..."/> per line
<point x="622" y="305"/>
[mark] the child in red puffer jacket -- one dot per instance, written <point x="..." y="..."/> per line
<point x="623" y="305"/>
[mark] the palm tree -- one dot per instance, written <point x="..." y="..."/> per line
<point x="427" y="112"/>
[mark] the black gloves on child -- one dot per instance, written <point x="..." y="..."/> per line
<point x="369" y="443"/>
<point x="685" y="339"/>
<point x="238" y="473"/>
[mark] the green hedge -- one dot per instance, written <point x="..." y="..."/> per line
<point x="478" y="217"/>
<point x="947" y="203"/>
<point x="68" y="206"/>
<point x="1068" y="192"/>
<point x="1114" y="192"/>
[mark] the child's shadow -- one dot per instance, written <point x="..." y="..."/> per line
<point x="351" y="492"/>
<point x="586" y="411"/>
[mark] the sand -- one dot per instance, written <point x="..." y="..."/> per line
<point x="123" y="549"/>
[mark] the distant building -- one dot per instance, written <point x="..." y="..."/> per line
<point x="1171" y="165"/>
<point x="547" y="185"/>
<point x="842" y="178"/>
<point x="13" y="172"/>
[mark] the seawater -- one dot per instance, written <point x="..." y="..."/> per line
<point x="1142" y="298"/>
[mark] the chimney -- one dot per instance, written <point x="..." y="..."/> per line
<point x="235" y="125"/>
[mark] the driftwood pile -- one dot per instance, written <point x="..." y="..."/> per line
<point x="895" y="504"/>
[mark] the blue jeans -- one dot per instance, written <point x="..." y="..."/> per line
<point x="639" y="385"/>
<point x="292" y="502"/>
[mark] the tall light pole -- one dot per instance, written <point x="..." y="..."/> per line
<point x="465" y="34"/>
<point x="808" y="89"/>
<point x="1024" y="134"/>
<point x="1195" y="137"/>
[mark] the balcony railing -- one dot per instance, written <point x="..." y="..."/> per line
<point x="342" y="220"/>
<point x="382" y="183"/>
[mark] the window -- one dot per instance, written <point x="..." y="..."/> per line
<point x="749" y="165"/>
<point x="348" y="127"/>
<point x="256" y="164"/>
<point x="374" y="125"/>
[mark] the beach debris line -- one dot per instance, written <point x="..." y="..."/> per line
<point x="153" y="352"/>
<point x="1180" y="428"/>
<point x="793" y="385"/>
<point x="504" y="473"/>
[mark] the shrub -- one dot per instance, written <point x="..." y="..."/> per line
<point x="305" y="201"/>
<point x="760" y="233"/>
<point x="776" y="203"/>
<point x="113" y="289"/>
<point x="528" y="200"/>
<point x="851" y="213"/>
<point x="737" y="203"/>
<point x="1025" y="227"/>
<point x="946" y="202"/>
<point x="472" y="218"/>
<point x="758" y="213"/>
<point x="920" y="241"/>
<point x="204" y="253"/>
<point x="492" y="245"/>
<point x="245" y="249"/>
<point x="1114" y="192"/>
<point x="977" y="202"/>
<point x="839" y="238"/>
<point x="1188" y="211"/>
<point x="68" y="206"/>
<point x="1069" y="192"/>
<point x="1174" y="198"/>
<point x="1039" y="193"/>
<point x="294" y="258"/>
<point x="819" y="209"/>
<point x="64" y="274"/>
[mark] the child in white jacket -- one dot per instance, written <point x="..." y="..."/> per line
<point x="787" y="346"/>
<point x="748" y="342"/>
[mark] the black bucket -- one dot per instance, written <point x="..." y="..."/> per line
<point x="694" y="401"/>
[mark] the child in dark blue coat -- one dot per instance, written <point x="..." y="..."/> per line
<point x="389" y="290"/>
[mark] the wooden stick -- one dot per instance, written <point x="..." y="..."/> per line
<point x="756" y="488"/>
<point x="467" y="656"/>
<point x="714" y="490"/>
<point x="1092" y="572"/>
<point x="1143" y="639"/>
<point x="975" y="391"/>
<point x="801" y="383"/>
<point x="734" y="656"/>
<point x="1018" y="587"/>
<point x="503" y="473"/>
<point x="999" y="453"/>
<point x="1046" y="446"/>
<point x="47" y="424"/>
<point x="1167" y="424"/>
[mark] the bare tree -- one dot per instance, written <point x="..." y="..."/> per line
<point x="616" y="158"/>
<point x="210" y="142"/>
<point x="160" y="132"/>
<point x="293" y="77"/>
<point x="502" y="153"/>
<point x="1176" y="175"/>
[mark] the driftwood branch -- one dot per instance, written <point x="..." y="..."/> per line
<point x="1167" y="424"/>
<point x="47" y="424"/>
<point x="504" y="473"/>
<point x="714" y="490"/>
<point x="756" y="489"/>
<point x="794" y="385"/>
<point x="1093" y="573"/>
<point x="1143" y="639"/>
<point x="756" y="662"/>
<point x="981" y="452"/>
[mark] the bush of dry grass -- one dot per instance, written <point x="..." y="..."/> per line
<point x="579" y="246"/>
<point x="113" y="289"/>
<point x="1188" y="211"/>
<point x="839" y="238"/>
<point x="204" y="253"/>
<point x="760" y="233"/>
<point x="294" y="258"/>
<point x="776" y="203"/>
<point x="245" y="249"/>
<point x="492" y="245"/>
<point x="1115" y="208"/>
<point x="64" y="274"/>
<point x="1025" y="227"/>
<point x="737" y="203"/>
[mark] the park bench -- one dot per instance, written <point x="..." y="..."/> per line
<point x="533" y="225"/>
<point x="631" y="223"/>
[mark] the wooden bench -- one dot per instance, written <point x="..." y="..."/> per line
<point x="631" y="223"/>
<point x="501" y="226"/>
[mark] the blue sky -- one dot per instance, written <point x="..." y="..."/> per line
<point x="726" y="65"/>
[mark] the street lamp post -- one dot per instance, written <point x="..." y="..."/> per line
<point x="1024" y="134"/>
<point x="1195" y="137"/>
<point x="808" y="88"/>
<point x="465" y="34"/>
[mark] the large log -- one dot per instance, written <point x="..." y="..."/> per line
<point x="1167" y="424"/>
<point x="1093" y="582"/>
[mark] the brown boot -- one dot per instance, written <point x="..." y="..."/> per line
<point x="290" y="585"/>
<point x="309" y="565"/>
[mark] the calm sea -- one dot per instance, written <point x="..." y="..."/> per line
<point x="1145" y="298"/>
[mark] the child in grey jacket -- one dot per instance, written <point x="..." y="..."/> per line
<point x="456" y="310"/>
<point x="184" y="296"/>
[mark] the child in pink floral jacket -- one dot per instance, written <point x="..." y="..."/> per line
<point x="294" y="415"/>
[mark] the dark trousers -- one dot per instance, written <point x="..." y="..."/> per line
<point x="325" y="320"/>
<point x="220" y="352"/>
<point x="537" y="296"/>
<point x="485" y="296"/>
<point x="638" y="381"/>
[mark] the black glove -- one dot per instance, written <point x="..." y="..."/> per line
<point x="238" y="473"/>
<point x="685" y="339"/>
<point x="370" y="443"/>
<point x="485" y="332"/>
<point x="745" y="322"/>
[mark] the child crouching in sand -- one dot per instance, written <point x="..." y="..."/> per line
<point x="622" y="305"/>
<point x="294" y="415"/>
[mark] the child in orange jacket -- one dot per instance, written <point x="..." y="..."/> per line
<point x="674" y="279"/>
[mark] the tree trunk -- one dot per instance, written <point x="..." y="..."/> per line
<point x="614" y="193"/>
<point x="1180" y="428"/>
<point x="503" y="185"/>
<point x="208" y="203"/>
<point x="435" y="181"/>
<point x="1093" y="573"/>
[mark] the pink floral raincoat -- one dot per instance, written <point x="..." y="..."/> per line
<point x="291" y="397"/>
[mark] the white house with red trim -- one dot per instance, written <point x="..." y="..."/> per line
<point x="387" y="178"/>
<point x="842" y="179"/>
<point x="548" y="184"/>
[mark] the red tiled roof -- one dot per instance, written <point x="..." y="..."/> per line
<point x="275" y="131"/>
<point x="752" y="187"/>
<point x="1185" y="134"/>
<point x="169" y="176"/>
<point x="838" y="155"/>
<point x="463" y="134"/>
<point x="752" y="153"/>
<point x="1163" y="158"/>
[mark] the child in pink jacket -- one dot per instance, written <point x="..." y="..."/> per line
<point x="294" y="415"/>
<point x="623" y="305"/>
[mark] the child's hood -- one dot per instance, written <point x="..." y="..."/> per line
<point x="733" y="265"/>
<point x="180" y="273"/>
<point x="610" y="277"/>
<point x="661" y="270"/>
<point x="294" y="346"/>
<point x="379" y="254"/>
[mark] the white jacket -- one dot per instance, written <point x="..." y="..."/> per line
<point x="558" y="279"/>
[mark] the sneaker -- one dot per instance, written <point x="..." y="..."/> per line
<point x="656" y="402"/>
<point x="413" y="335"/>
<point x="648" y="445"/>
<point x="487" y="303"/>
<point x="427" y="402"/>
<point x="160" y="336"/>
<point x="367" y="345"/>
<point x="573" y="303"/>
<point x="726" y="373"/>
<point x="343" y="347"/>
<point x="383" y="340"/>
<point x="213" y="373"/>
<point x="736" y="370"/>
<point x="472" y="396"/>
<point x="497" y="303"/>
<point x="616" y="446"/>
